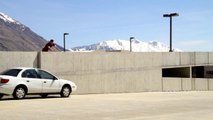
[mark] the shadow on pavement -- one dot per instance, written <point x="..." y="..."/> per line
<point x="7" y="98"/>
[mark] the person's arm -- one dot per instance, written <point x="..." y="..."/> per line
<point x="49" y="48"/>
<point x="57" y="47"/>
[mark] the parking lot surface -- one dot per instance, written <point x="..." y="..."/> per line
<point x="129" y="106"/>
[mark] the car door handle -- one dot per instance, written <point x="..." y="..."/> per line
<point x="45" y="81"/>
<point x="28" y="81"/>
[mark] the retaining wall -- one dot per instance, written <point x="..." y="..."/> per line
<point x="115" y="72"/>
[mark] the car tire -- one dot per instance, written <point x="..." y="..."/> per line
<point x="1" y="96"/>
<point x="19" y="93"/>
<point x="44" y="95"/>
<point x="66" y="91"/>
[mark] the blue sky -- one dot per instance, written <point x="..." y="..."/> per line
<point x="92" y="21"/>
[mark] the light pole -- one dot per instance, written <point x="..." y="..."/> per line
<point x="170" y="16"/>
<point x="130" y="40"/>
<point x="64" y="41"/>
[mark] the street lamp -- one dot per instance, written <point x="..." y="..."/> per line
<point x="170" y="16"/>
<point x="64" y="40"/>
<point x="130" y="40"/>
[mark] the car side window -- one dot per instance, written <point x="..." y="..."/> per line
<point x="11" y="72"/>
<point x="30" y="74"/>
<point x="46" y="75"/>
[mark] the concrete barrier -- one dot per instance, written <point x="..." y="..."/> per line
<point x="201" y="84"/>
<point x="115" y="72"/>
<point x="172" y="84"/>
<point x="186" y="84"/>
<point x="201" y="58"/>
<point x="210" y="84"/>
<point x="171" y="59"/>
<point x="211" y="58"/>
<point x="107" y="72"/>
<point x="187" y="58"/>
<point x="18" y="59"/>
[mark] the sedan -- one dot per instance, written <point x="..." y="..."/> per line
<point x="20" y="82"/>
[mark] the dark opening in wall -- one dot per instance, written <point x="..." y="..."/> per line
<point x="202" y="72"/>
<point x="198" y="72"/>
<point x="183" y="72"/>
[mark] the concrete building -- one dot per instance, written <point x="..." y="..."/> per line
<point x="121" y="72"/>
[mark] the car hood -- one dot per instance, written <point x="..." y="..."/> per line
<point x="67" y="81"/>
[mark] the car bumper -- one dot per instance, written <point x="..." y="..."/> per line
<point x="6" y="89"/>
<point x="74" y="87"/>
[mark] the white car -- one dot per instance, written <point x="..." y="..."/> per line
<point x="20" y="82"/>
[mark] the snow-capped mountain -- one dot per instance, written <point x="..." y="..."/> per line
<point x="137" y="46"/>
<point x="10" y="20"/>
<point x="15" y="36"/>
<point x="6" y="18"/>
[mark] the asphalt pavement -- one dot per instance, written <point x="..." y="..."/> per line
<point x="129" y="106"/>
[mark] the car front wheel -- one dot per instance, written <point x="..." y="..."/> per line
<point x="19" y="93"/>
<point x="65" y="92"/>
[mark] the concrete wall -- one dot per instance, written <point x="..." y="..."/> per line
<point x="177" y="84"/>
<point x="18" y="59"/>
<point x="201" y="84"/>
<point x="172" y="84"/>
<point x="115" y="72"/>
<point x="201" y="58"/>
<point x="211" y="84"/>
<point x="107" y="72"/>
<point x="186" y="84"/>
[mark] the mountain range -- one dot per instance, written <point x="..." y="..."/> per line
<point x="124" y="45"/>
<point x="15" y="36"/>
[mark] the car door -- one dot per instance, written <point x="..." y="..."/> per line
<point x="32" y="80"/>
<point x="50" y="82"/>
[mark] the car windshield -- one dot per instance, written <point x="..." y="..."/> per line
<point x="11" y="72"/>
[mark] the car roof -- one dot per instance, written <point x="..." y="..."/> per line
<point x="24" y="68"/>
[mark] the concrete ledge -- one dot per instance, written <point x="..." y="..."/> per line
<point x="201" y="58"/>
<point x="171" y="59"/>
<point x="210" y="57"/>
<point x="187" y="58"/>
